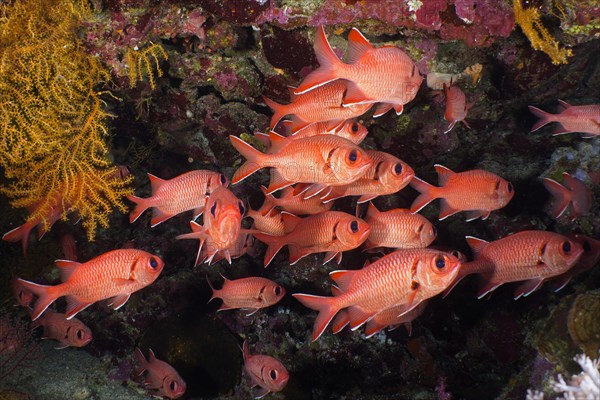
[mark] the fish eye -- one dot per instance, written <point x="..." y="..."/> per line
<point x="223" y="179"/>
<point x="273" y="374"/>
<point x="277" y="290"/>
<point x="79" y="334"/>
<point x="510" y="187"/>
<point x="354" y="226"/>
<point x="242" y="208"/>
<point x="153" y="263"/>
<point x="173" y="385"/>
<point x="354" y="127"/>
<point x="353" y="156"/>
<point x="566" y="247"/>
<point x="213" y="210"/>
<point x="398" y="169"/>
<point x="440" y="263"/>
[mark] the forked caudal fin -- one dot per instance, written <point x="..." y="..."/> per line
<point x="561" y="197"/>
<point x="46" y="296"/>
<point x="544" y="118"/>
<point x="253" y="159"/>
<point x="328" y="63"/>
<point x="326" y="306"/>
<point x="427" y="194"/>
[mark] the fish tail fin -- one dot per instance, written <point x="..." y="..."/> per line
<point x="254" y="159"/>
<point x="326" y="306"/>
<point x="329" y="64"/>
<point x="20" y="233"/>
<point x="561" y="197"/>
<point x="215" y="292"/>
<point x="279" y="111"/>
<point x="274" y="243"/>
<point x="141" y="205"/>
<point x="141" y="359"/>
<point x="428" y="194"/>
<point x="544" y="118"/>
<point x="46" y="296"/>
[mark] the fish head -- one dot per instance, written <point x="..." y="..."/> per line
<point x="351" y="232"/>
<point x="147" y="268"/>
<point x="349" y="162"/>
<point x="436" y="270"/>
<point x="425" y="232"/>
<point x="591" y="251"/>
<point x="274" y="375"/>
<point x="224" y="217"/>
<point x="173" y="386"/>
<point x="271" y="293"/>
<point x="353" y="131"/>
<point x="78" y="335"/>
<point x="394" y="174"/>
<point x="560" y="253"/>
<point x="503" y="192"/>
<point x="216" y="180"/>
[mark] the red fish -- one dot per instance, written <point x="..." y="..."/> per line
<point x="68" y="332"/>
<point x="456" y="106"/>
<point x="267" y="219"/>
<point x="584" y="119"/>
<point x="386" y="74"/>
<point x="529" y="256"/>
<point x="264" y="371"/>
<point x="250" y="293"/>
<point x="325" y="160"/>
<point x="115" y="275"/>
<point x="222" y="223"/>
<point x="292" y="200"/>
<point x="185" y="192"/>
<point x="351" y="130"/>
<point x="404" y="277"/>
<point x="332" y="232"/>
<point x="161" y="376"/>
<point x="476" y="191"/>
<point x="575" y="193"/>
<point x="398" y="228"/>
<point x="387" y="175"/>
<point x="323" y="104"/>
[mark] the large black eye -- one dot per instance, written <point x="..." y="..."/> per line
<point x="566" y="246"/>
<point x="153" y="263"/>
<point x="354" y="226"/>
<point x="398" y="169"/>
<point x="352" y="156"/>
<point x="440" y="263"/>
<point x="223" y="180"/>
<point x="213" y="210"/>
<point x="277" y="290"/>
<point x="173" y="386"/>
<point x="273" y="374"/>
<point x="510" y="188"/>
<point x="79" y="334"/>
<point x="242" y="208"/>
<point x="354" y="127"/>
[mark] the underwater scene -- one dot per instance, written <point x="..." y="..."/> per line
<point x="300" y="199"/>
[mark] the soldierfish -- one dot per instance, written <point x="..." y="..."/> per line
<point x="267" y="219"/>
<point x="291" y="199"/>
<point x="386" y="74"/>
<point x="264" y="371"/>
<point x="332" y="232"/>
<point x="185" y="192"/>
<point x="575" y="193"/>
<point x="68" y="332"/>
<point x="456" y="106"/>
<point x="584" y="119"/>
<point x="249" y="293"/>
<point x="161" y="376"/>
<point x="589" y="259"/>
<point x="387" y="175"/>
<point x="324" y="160"/>
<point x="323" y="104"/>
<point x="398" y="228"/>
<point x="404" y="277"/>
<point x="115" y="275"/>
<point x="529" y="256"/>
<point x="476" y="191"/>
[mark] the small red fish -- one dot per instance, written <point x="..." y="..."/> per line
<point x="529" y="256"/>
<point x="386" y="74"/>
<point x="185" y="192"/>
<point x="575" y="193"/>
<point x="267" y="219"/>
<point x="264" y="371"/>
<point x="387" y="175"/>
<point x="404" y="277"/>
<point x="323" y="160"/>
<point x="68" y="332"/>
<point x="351" y="130"/>
<point x="115" y="275"/>
<point x="588" y="260"/>
<point x="161" y="376"/>
<point x="292" y="200"/>
<point x="398" y="228"/>
<point x="333" y="232"/>
<point x="250" y="293"/>
<point x="476" y="191"/>
<point x="456" y="106"/>
<point x="323" y="104"/>
<point x="584" y="119"/>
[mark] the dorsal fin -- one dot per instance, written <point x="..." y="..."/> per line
<point x="66" y="268"/>
<point x="155" y="183"/>
<point x="357" y="45"/>
<point x="477" y="245"/>
<point x="444" y="174"/>
<point x="342" y="278"/>
<point x="564" y="103"/>
<point x="277" y="141"/>
<point x="372" y="211"/>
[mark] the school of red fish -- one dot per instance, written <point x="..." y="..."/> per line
<point x="314" y="158"/>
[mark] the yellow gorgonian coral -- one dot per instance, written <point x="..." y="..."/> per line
<point x="53" y="127"/>
<point x="145" y="62"/>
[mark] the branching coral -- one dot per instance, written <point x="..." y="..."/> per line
<point x="529" y="20"/>
<point x="53" y="131"/>
<point x="145" y="62"/>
